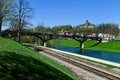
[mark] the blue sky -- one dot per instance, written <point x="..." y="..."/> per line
<point x="75" y="12"/>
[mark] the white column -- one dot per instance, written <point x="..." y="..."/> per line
<point x="45" y="44"/>
<point x="82" y="45"/>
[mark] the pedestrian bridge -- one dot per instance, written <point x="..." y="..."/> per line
<point x="46" y="36"/>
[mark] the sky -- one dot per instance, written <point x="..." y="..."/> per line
<point x="75" y="12"/>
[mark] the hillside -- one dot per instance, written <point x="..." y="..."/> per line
<point x="71" y="43"/>
<point x="111" y="46"/>
<point x="20" y="62"/>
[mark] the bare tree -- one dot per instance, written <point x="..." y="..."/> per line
<point x="23" y="13"/>
<point x="4" y="10"/>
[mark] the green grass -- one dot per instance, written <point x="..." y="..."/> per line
<point x="68" y="43"/>
<point x="112" y="46"/>
<point x="73" y="43"/>
<point x="20" y="62"/>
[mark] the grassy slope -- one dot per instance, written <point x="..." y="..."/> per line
<point x="17" y="61"/>
<point x="73" y="43"/>
<point x="68" y="43"/>
<point x="112" y="46"/>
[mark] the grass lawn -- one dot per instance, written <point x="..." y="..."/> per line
<point x="20" y="62"/>
<point x="73" y="43"/>
<point x="68" y="43"/>
<point x="111" y="46"/>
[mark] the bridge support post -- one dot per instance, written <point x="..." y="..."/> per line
<point x="45" y="44"/>
<point x="82" y="45"/>
<point x="9" y="35"/>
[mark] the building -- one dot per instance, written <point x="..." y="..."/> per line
<point x="65" y="32"/>
<point x="90" y="33"/>
<point x="106" y="36"/>
<point x="87" y="24"/>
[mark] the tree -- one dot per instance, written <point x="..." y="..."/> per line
<point x="23" y="13"/>
<point x="41" y="28"/>
<point x="108" y="28"/>
<point x="55" y="29"/>
<point x="4" y="10"/>
<point x="66" y="27"/>
<point x="84" y="30"/>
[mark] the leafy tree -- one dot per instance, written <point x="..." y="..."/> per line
<point x="41" y="28"/>
<point x="5" y="10"/>
<point x="55" y="29"/>
<point x="108" y="28"/>
<point x="83" y="30"/>
<point x="66" y="27"/>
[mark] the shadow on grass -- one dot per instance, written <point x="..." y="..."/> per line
<point x="18" y="67"/>
<point x="95" y="44"/>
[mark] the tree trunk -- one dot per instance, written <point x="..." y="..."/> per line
<point x="18" y="36"/>
<point x="0" y="26"/>
<point x="0" y="30"/>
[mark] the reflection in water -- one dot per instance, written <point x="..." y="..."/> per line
<point x="97" y="54"/>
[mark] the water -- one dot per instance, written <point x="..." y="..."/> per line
<point x="96" y="54"/>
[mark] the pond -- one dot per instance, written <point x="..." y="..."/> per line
<point x="113" y="57"/>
